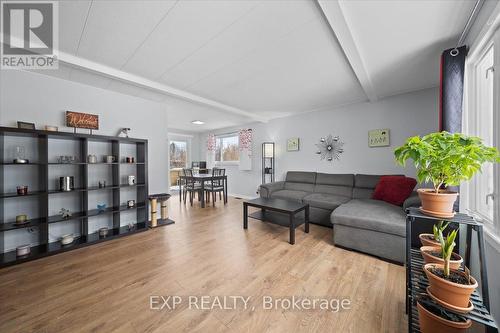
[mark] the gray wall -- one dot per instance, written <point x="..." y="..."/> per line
<point x="405" y="115"/>
<point x="41" y="99"/>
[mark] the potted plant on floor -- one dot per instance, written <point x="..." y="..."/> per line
<point x="433" y="239"/>
<point x="451" y="288"/>
<point x="444" y="159"/>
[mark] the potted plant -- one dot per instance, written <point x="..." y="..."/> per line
<point x="432" y="254"/>
<point x="450" y="287"/>
<point x="433" y="239"/>
<point x="444" y="159"/>
<point x="433" y="318"/>
<point x="431" y="251"/>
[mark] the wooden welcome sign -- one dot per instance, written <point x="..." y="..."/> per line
<point x="82" y="120"/>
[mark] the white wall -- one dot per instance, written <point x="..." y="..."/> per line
<point x="405" y="115"/>
<point x="41" y="99"/>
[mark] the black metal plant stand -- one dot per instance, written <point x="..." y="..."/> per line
<point x="416" y="281"/>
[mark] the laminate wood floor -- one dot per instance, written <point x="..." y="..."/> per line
<point x="107" y="287"/>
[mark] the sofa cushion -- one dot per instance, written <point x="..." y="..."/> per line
<point x="394" y="189"/>
<point x="266" y="190"/>
<point x="334" y="184"/>
<point x="290" y="195"/>
<point x="301" y="177"/>
<point x="335" y="179"/>
<point x="300" y="181"/>
<point x="324" y="200"/>
<point x="364" y="185"/>
<point x="371" y="214"/>
<point x="366" y="181"/>
<point x="299" y="187"/>
<point x="412" y="201"/>
<point x="343" y="191"/>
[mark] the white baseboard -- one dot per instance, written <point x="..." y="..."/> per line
<point x="247" y="197"/>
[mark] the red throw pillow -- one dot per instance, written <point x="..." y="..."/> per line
<point x="394" y="189"/>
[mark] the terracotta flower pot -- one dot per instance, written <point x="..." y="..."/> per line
<point x="437" y="204"/>
<point x="455" y="294"/>
<point x="426" y="241"/>
<point x="430" y="259"/>
<point x="431" y="323"/>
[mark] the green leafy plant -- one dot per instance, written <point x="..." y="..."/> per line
<point x="447" y="246"/>
<point x="444" y="158"/>
<point x="438" y="229"/>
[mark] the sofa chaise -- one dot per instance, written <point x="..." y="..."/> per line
<point x="344" y="201"/>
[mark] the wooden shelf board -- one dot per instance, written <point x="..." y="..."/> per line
<point x="39" y="251"/>
<point x="93" y="212"/>
<point x="15" y="195"/>
<point x="13" y="226"/>
<point x="96" y="188"/>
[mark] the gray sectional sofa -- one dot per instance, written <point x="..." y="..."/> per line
<point x="344" y="200"/>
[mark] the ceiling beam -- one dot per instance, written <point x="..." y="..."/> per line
<point x="136" y="80"/>
<point x="117" y="74"/>
<point x="335" y="18"/>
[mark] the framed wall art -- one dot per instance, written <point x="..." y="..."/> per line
<point x="293" y="144"/>
<point x="379" y="138"/>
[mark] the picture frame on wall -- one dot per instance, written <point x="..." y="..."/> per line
<point x="379" y="138"/>
<point x="293" y="144"/>
<point x="25" y="125"/>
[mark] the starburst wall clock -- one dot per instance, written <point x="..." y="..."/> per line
<point x="330" y="148"/>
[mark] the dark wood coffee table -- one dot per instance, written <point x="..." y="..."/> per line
<point x="286" y="207"/>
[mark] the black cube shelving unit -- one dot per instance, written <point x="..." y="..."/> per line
<point x="43" y="193"/>
<point x="417" y="282"/>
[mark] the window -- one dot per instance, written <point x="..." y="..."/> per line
<point x="226" y="148"/>
<point x="482" y="194"/>
<point x="484" y="129"/>
<point x="178" y="154"/>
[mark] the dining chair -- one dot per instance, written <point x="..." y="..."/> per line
<point x="216" y="185"/>
<point x="191" y="186"/>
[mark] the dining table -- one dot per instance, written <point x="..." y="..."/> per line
<point x="202" y="178"/>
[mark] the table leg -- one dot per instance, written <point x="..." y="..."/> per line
<point x="245" y="216"/>
<point x="292" y="230"/>
<point x="180" y="190"/>
<point x="306" y="222"/>
<point x="408" y="304"/>
<point x="202" y="194"/>
<point x="225" y="190"/>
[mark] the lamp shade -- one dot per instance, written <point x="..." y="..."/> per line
<point x="268" y="150"/>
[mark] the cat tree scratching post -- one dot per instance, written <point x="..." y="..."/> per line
<point x="164" y="220"/>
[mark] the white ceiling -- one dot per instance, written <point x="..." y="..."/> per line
<point x="233" y="62"/>
<point x="401" y="41"/>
